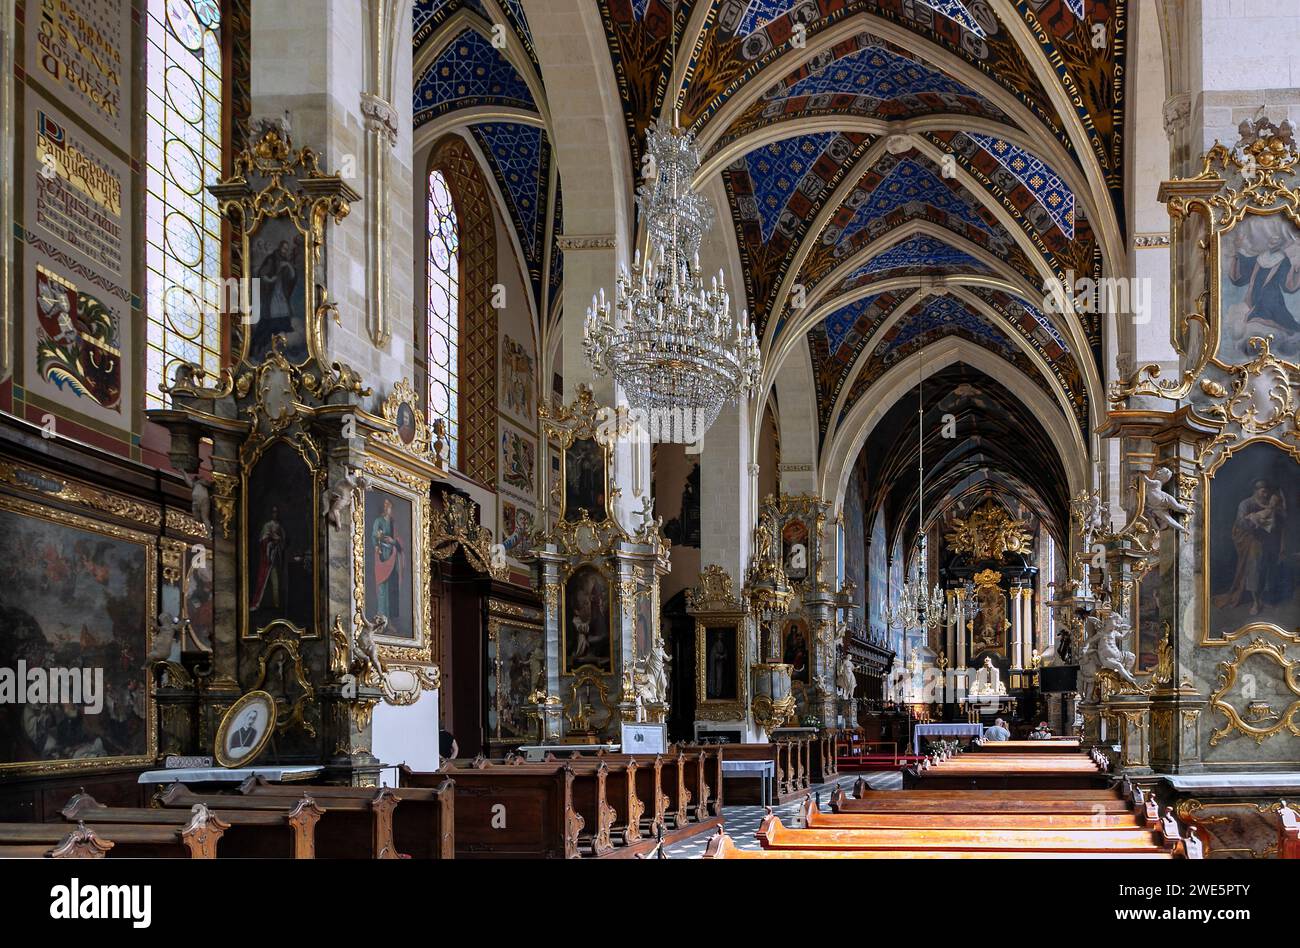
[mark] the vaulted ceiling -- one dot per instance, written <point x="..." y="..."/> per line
<point x="898" y="172"/>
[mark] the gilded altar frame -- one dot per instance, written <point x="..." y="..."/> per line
<point x="296" y="188"/>
<point x="149" y="544"/>
<point x="714" y="709"/>
<point x="1202" y="210"/>
<point x="583" y="420"/>
<point x="405" y="471"/>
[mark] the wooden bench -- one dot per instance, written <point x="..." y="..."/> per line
<point x="813" y="818"/>
<point x="247" y="833"/>
<point x="505" y="811"/>
<point x="1087" y="802"/>
<point x="357" y="826"/>
<point x="772" y="834"/>
<point x="196" y="838"/>
<point x="649" y="777"/>
<point x="1288" y="833"/>
<point x="825" y="757"/>
<point x="422" y="821"/>
<point x="721" y="846"/>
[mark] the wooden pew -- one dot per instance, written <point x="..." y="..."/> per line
<point x="248" y="833"/>
<point x="81" y="843"/>
<point x="196" y="838"/>
<point x="1023" y="747"/>
<point x="422" y="822"/>
<point x="772" y="834"/>
<point x="694" y="765"/>
<point x="813" y="818"/>
<point x="741" y="788"/>
<point x="511" y="812"/>
<point x="649" y="789"/>
<point x="1087" y="803"/>
<point x="721" y="846"/>
<point x="359" y="826"/>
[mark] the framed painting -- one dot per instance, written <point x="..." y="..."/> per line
<point x="794" y="548"/>
<point x="517" y="654"/>
<point x="1252" y="541"/>
<point x="586" y="607"/>
<point x="280" y="541"/>
<point x="245" y="730"/>
<point x="389" y="537"/>
<point x="586" y="480"/>
<point x="794" y="650"/>
<point x="1147" y="631"/>
<point x="1259" y="286"/>
<point x="645" y="620"/>
<point x="518" y="465"/>
<point x="720" y="671"/>
<point x="78" y="602"/>
<point x="280" y="278"/>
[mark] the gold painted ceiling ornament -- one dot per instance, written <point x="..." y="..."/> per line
<point x="989" y="533"/>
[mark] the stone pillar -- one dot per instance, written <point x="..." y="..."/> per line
<point x="1017" y="625"/>
<point x="726" y="508"/>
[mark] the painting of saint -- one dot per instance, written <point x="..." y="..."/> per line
<point x="76" y="599"/>
<point x="389" y="588"/>
<point x="587" y="620"/>
<point x="517" y="380"/>
<point x="1255" y="540"/>
<point x="279" y="292"/>
<point x="518" y="461"/>
<point x="280" y="539"/>
<point x="794" y="549"/>
<point x="198" y="597"/>
<point x="795" y="651"/>
<point x="405" y="423"/>
<point x="988" y="628"/>
<point x="522" y="656"/>
<point x="584" y="479"/>
<point x="1261" y="274"/>
<point x="645" y="623"/>
<point x="720" y="664"/>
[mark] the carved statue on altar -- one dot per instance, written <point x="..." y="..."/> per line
<point x="988" y="680"/>
<point x="1159" y="506"/>
<point x="846" y="680"/>
<point x="653" y="685"/>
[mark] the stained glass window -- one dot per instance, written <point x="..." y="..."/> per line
<point x="182" y="225"/>
<point x="442" y="317"/>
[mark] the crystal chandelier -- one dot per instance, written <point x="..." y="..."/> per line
<point x="668" y="340"/>
<point x="914" y="607"/>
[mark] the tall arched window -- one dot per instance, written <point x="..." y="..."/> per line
<point x="443" y="309"/>
<point x="183" y="98"/>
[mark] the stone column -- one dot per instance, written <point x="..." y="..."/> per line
<point x="1017" y="626"/>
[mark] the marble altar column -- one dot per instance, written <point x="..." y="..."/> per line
<point x="1017" y="617"/>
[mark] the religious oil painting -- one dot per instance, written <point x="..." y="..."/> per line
<point x="518" y="381"/>
<point x="280" y="540"/>
<point x="794" y="651"/>
<point x="1260" y="276"/>
<point x="721" y="663"/>
<point x="278" y="290"/>
<point x="1254" y="540"/>
<point x="77" y="614"/>
<point x="521" y="670"/>
<point x="518" y="461"/>
<point x="988" y="629"/>
<point x="390" y="590"/>
<point x="406" y="428"/>
<point x="587" y="620"/>
<point x="585" y="479"/>
<point x="198" y="596"/>
<point x="794" y="549"/>
<point x="645" y="623"/>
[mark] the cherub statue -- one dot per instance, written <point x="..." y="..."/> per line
<point x="1160" y="506"/>
<point x="167" y="639"/>
<point x="368" y="648"/>
<point x="338" y="500"/>
<point x="1086" y="508"/>
<point x="200" y="498"/>
<point x="1103" y="649"/>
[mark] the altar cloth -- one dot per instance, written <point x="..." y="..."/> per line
<point x="944" y="730"/>
<point x="766" y="769"/>
<point x="231" y="774"/>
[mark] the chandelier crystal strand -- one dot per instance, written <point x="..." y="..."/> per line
<point x="669" y="341"/>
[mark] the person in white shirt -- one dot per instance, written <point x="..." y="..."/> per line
<point x="998" y="732"/>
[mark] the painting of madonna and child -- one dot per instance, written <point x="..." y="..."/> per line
<point x="1254" y="542"/>
<point x="1260" y="280"/>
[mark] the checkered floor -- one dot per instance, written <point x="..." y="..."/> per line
<point x="741" y="822"/>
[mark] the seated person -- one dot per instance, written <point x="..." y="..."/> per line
<point x="998" y="732"/>
<point x="1041" y="733"/>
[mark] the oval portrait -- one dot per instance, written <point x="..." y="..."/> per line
<point x="245" y="730"/>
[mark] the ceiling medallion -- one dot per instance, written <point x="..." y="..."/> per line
<point x="669" y="341"/>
